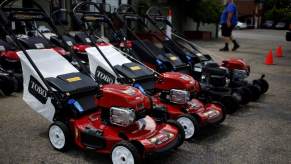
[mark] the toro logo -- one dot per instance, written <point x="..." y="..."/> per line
<point x="37" y="90"/>
<point x="103" y="77"/>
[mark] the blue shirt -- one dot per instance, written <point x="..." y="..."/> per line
<point x="229" y="8"/>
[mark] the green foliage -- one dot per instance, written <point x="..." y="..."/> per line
<point x="269" y="15"/>
<point x="277" y="10"/>
<point x="214" y="9"/>
<point x="205" y="11"/>
<point x="279" y="4"/>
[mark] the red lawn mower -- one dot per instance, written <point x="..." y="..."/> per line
<point x="8" y="82"/>
<point x="238" y="69"/>
<point x="170" y="89"/>
<point x="83" y="112"/>
<point x="161" y="61"/>
<point x="10" y="68"/>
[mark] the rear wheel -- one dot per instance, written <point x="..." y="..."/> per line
<point x="8" y="90"/>
<point x="190" y="126"/>
<point x="8" y="85"/>
<point x="256" y="92"/>
<point x="263" y="84"/>
<point x="59" y="136"/>
<point x="125" y="153"/>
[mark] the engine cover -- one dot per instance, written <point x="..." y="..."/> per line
<point x="176" y="80"/>
<point x="114" y="95"/>
<point x="236" y="63"/>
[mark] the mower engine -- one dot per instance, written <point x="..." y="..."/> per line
<point x="238" y="68"/>
<point x="238" y="75"/>
<point x="176" y="87"/>
<point x="214" y="75"/>
<point x="122" y="116"/>
<point x="176" y="96"/>
<point x="131" y="106"/>
<point x="177" y="80"/>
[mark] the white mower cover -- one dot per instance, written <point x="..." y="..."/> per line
<point x="50" y="64"/>
<point x="96" y="60"/>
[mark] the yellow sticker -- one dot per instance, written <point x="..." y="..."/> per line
<point x="135" y="68"/>
<point x="23" y="16"/>
<point x="90" y="18"/>
<point x="73" y="79"/>
<point x="173" y="58"/>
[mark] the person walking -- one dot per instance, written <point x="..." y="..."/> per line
<point x="228" y="21"/>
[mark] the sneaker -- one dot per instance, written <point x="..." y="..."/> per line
<point x="235" y="47"/>
<point x="224" y="49"/>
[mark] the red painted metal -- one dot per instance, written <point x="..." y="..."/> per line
<point x="236" y="63"/>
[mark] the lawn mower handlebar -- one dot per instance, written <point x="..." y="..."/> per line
<point x="87" y="3"/>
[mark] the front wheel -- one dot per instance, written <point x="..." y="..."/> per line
<point x="181" y="132"/>
<point x="190" y="126"/>
<point x="230" y="103"/>
<point x="59" y="136"/>
<point x="125" y="153"/>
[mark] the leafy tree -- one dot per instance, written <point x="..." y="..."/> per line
<point x="204" y="11"/>
<point x="277" y="10"/>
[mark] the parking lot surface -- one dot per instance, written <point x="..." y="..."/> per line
<point x="258" y="133"/>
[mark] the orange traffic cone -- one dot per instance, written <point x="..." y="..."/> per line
<point x="279" y="52"/>
<point x="269" y="58"/>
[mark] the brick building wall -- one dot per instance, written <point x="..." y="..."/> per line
<point x="246" y="7"/>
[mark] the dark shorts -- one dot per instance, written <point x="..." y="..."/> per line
<point x="226" y="31"/>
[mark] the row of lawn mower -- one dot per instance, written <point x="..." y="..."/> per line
<point x="117" y="93"/>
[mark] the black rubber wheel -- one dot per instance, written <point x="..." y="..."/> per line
<point x="190" y="125"/>
<point x="256" y="92"/>
<point x="263" y="84"/>
<point x="247" y="95"/>
<point x="59" y="131"/>
<point x="242" y="94"/>
<point x="230" y="103"/>
<point x="9" y="86"/>
<point x="181" y="137"/>
<point x="7" y="90"/>
<point x="19" y="83"/>
<point x="119" y="151"/>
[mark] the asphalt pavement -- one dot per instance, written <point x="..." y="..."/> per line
<point x="258" y="133"/>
